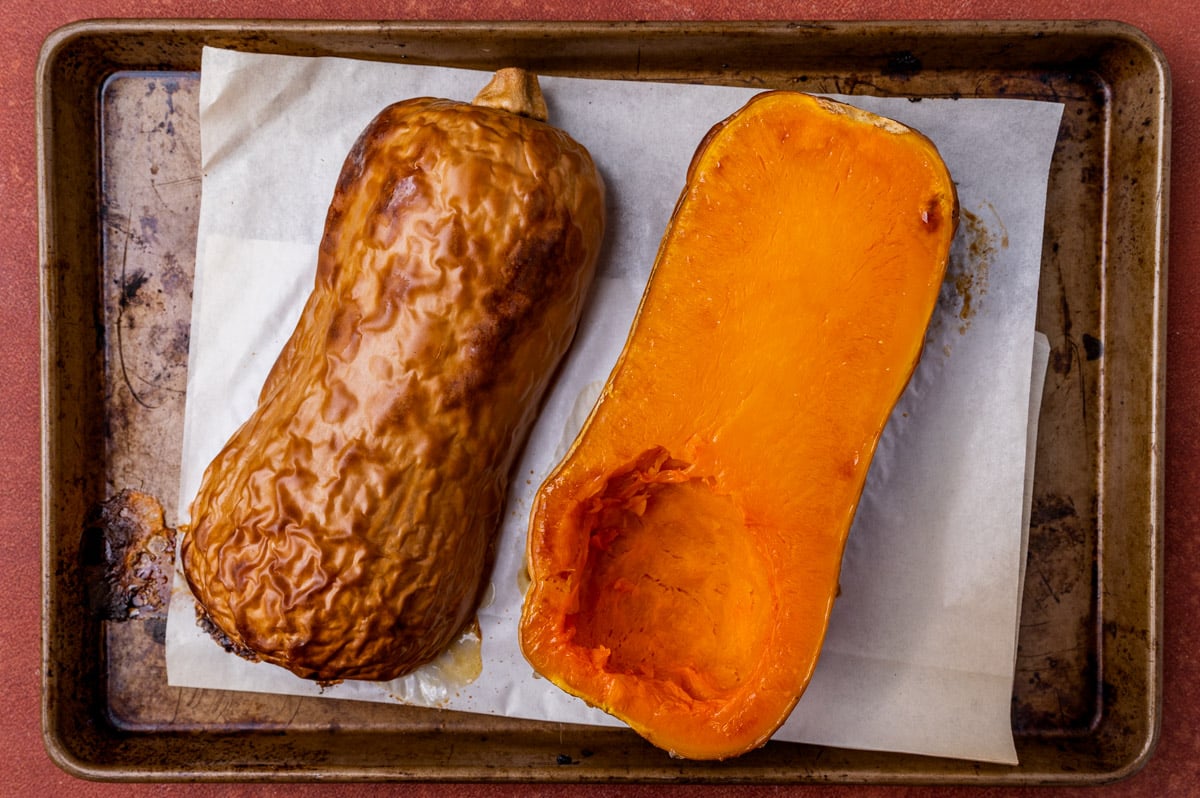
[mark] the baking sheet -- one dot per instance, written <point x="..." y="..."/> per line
<point x="118" y="142"/>
<point x="924" y="630"/>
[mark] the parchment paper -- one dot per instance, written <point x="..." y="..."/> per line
<point x="920" y="652"/>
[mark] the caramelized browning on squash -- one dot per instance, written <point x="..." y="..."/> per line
<point x="684" y="556"/>
<point x="345" y="530"/>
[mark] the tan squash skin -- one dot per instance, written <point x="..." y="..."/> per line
<point x="684" y="556"/>
<point x="346" y="529"/>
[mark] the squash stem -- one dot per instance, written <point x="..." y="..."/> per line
<point x="514" y="90"/>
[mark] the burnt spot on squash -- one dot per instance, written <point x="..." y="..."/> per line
<point x="931" y="214"/>
<point x="532" y="278"/>
<point x="355" y="165"/>
<point x="206" y="624"/>
<point x="352" y="171"/>
<point x="532" y="272"/>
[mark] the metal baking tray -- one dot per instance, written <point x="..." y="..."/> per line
<point x="118" y="203"/>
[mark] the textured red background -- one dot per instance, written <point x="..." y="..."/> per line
<point x="25" y="770"/>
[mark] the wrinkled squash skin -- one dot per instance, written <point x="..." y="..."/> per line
<point x="345" y="530"/>
<point x="684" y="556"/>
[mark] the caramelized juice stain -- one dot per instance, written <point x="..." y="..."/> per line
<point x="436" y="683"/>
<point x="967" y="275"/>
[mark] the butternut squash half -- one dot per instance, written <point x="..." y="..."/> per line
<point x="345" y="531"/>
<point x="684" y="556"/>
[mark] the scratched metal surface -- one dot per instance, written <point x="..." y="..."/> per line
<point x="121" y="261"/>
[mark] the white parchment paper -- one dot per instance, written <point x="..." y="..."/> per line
<point x="920" y="652"/>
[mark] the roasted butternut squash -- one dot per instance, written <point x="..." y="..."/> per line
<point x="684" y="556"/>
<point x="345" y="530"/>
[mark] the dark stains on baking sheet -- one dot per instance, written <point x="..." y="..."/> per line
<point x="567" y="759"/>
<point x="127" y="555"/>
<point x="170" y="85"/>
<point x="1056" y="640"/>
<point x="151" y="356"/>
<point x="147" y="203"/>
<point x="904" y="64"/>
<point x="1069" y="352"/>
<point x="132" y="284"/>
<point x="167" y="87"/>
<point x="1051" y="509"/>
<point x="1041" y="704"/>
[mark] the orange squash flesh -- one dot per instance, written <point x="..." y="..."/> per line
<point x="684" y="556"/>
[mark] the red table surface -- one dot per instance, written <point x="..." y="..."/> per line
<point x="26" y="770"/>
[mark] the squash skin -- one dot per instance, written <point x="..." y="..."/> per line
<point x="684" y="555"/>
<point x="346" y="529"/>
